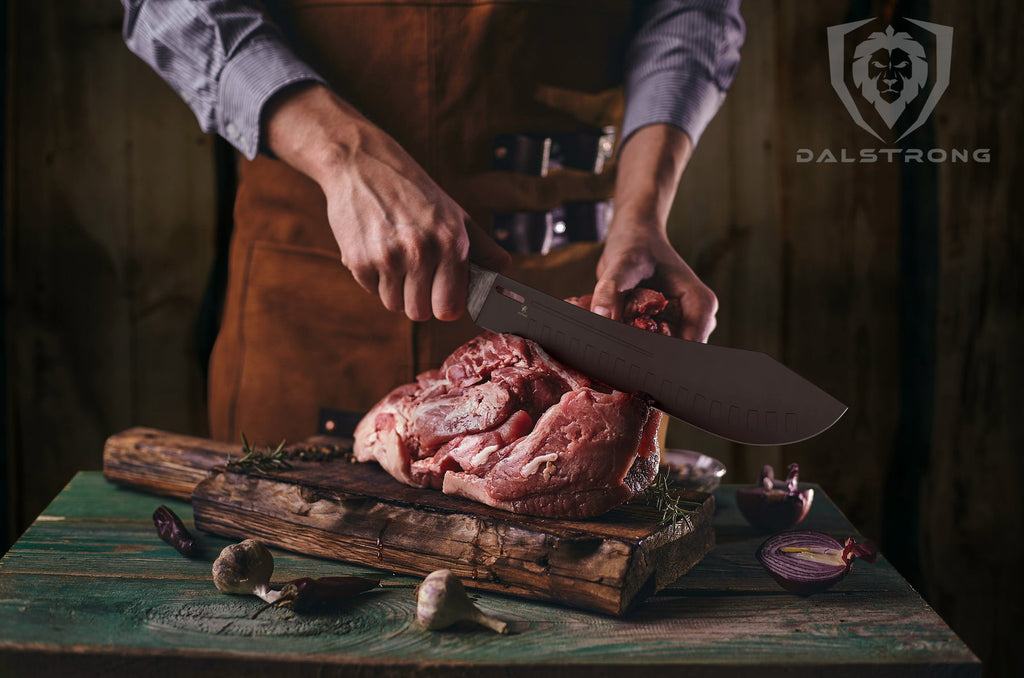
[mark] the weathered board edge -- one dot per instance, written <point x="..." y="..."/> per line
<point x="160" y="462"/>
<point x="675" y="556"/>
<point x="609" y="577"/>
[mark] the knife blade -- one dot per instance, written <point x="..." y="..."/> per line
<point x="740" y="395"/>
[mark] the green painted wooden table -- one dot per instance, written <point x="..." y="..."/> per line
<point x="90" y="589"/>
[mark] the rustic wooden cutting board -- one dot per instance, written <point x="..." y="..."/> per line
<point x="325" y="505"/>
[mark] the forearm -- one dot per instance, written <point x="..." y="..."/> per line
<point x="637" y="250"/>
<point x="651" y="164"/>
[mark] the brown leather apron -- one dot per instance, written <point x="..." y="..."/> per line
<point x="444" y="78"/>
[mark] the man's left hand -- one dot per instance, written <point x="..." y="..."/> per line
<point x="635" y="254"/>
<point x="637" y="249"/>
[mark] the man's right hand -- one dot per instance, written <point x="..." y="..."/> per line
<point x="401" y="236"/>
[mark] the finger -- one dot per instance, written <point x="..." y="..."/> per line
<point x="391" y="290"/>
<point x="367" y="278"/>
<point x="448" y="296"/>
<point x="484" y="251"/>
<point x="699" y="308"/>
<point x="607" y="300"/>
<point x="418" y="286"/>
<point x="700" y="330"/>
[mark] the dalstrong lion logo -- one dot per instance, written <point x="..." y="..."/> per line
<point x="890" y="71"/>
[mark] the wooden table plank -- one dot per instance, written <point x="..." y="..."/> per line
<point x="90" y="587"/>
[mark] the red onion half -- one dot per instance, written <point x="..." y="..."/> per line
<point x="775" y="505"/>
<point x="806" y="562"/>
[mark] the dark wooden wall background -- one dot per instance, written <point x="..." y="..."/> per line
<point x="897" y="288"/>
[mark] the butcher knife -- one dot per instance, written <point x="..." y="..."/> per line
<point x="743" y="396"/>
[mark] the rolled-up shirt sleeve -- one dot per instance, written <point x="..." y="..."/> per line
<point x="224" y="58"/>
<point x="681" y="61"/>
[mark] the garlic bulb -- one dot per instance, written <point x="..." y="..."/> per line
<point x="441" y="601"/>
<point x="245" y="568"/>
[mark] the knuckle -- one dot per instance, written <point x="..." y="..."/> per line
<point x="708" y="300"/>
<point x="453" y="237"/>
<point x="452" y="245"/>
<point x="388" y="259"/>
<point x="420" y="257"/>
<point x="416" y="250"/>
<point x="712" y="324"/>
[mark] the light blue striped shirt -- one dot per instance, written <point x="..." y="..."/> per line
<point x="226" y="60"/>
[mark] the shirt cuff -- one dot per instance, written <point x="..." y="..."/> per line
<point x="260" y="69"/>
<point x="673" y="97"/>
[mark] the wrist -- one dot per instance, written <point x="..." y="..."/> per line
<point x="640" y="213"/>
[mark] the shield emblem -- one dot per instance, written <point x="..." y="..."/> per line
<point x="893" y="77"/>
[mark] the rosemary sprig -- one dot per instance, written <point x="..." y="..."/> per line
<point x="661" y="495"/>
<point x="320" y="452"/>
<point x="260" y="462"/>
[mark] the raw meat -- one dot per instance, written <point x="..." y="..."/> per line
<point x="502" y="423"/>
<point x="646" y="309"/>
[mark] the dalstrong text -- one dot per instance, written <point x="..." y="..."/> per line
<point x="891" y="155"/>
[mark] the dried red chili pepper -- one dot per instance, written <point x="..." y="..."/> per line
<point x="173" y="531"/>
<point x="323" y="594"/>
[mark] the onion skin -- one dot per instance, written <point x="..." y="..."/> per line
<point x="804" y="576"/>
<point x="779" y="508"/>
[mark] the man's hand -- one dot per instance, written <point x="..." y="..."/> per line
<point x="401" y="236"/>
<point x="637" y="248"/>
<point x="638" y="253"/>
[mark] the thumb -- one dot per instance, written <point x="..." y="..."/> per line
<point x="484" y="251"/>
<point x="607" y="299"/>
